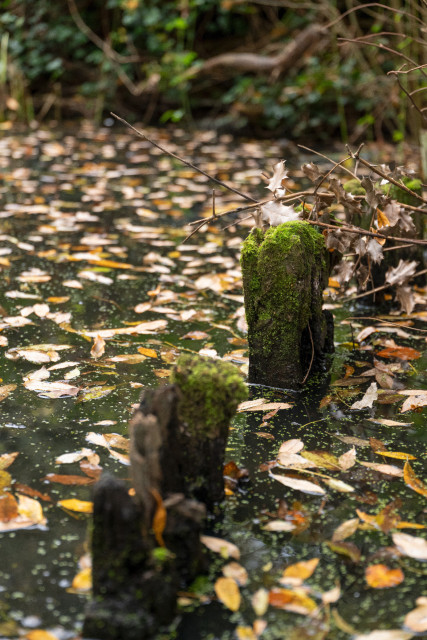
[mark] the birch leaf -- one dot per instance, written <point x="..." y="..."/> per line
<point x="368" y="399"/>
<point x="228" y="593"/>
<point x="300" y="485"/>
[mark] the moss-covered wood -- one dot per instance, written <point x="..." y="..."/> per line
<point x="284" y="273"/>
<point x="178" y="437"/>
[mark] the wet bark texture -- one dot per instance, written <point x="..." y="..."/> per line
<point x="145" y="548"/>
<point x="284" y="273"/>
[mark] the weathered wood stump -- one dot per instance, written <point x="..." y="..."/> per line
<point x="146" y="547"/>
<point x="284" y="273"/>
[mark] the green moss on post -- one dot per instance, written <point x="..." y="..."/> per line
<point x="210" y="393"/>
<point x="284" y="274"/>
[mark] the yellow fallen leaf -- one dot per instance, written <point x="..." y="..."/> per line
<point x="228" y="593"/>
<point x="412" y="481"/>
<point x="40" y="634"/>
<point x="300" y="571"/>
<point x="398" y="455"/>
<point x="83" y="580"/>
<point x="150" y="353"/>
<point x="223" y="547"/>
<point x="82" y="506"/>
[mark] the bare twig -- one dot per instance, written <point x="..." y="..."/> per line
<point x="312" y="354"/>
<point x="394" y="324"/>
<point x="374" y="4"/>
<point x="186" y="162"/>
<point x="385" y="176"/>
<point x="377" y="289"/>
<point x="317" y="153"/>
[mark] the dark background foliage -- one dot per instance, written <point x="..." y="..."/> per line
<point x="149" y="58"/>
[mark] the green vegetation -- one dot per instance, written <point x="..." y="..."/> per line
<point x="172" y="61"/>
<point x="210" y="393"/>
<point x="280" y="270"/>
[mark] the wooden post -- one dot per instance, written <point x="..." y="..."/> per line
<point x="147" y="546"/>
<point x="284" y="273"/>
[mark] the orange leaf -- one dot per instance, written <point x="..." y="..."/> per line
<point x="73" y="504"/>
<point x="379" y="576"/>
<point x="292" y="600"/>
<point x="403" y="353"/>
<point x="383" y="221"/>
<point x="412" y="481"/>
<point x="147" y="352"/>
<point x="8" y="507"/>
<point x="159" y="518"/>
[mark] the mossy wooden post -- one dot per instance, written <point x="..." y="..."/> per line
<point x="146" y="547"/>
<point x="284" y="273"/>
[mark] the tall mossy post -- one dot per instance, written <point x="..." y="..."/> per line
<point x="146" y="547"/>
<point x="284" y="273"/>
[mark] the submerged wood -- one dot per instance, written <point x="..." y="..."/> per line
<point x="146" y="547"/>
<point x="284" y="273"/>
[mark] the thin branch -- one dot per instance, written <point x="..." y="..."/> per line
<point x="377" y="289"/>
<point x="363" y="232"/>
<point x="317" y="153"/>
<point x="385" y="176"/>
<point x="381" y="46"/>
<point x="186" y="162"/>
<point x="312" y="354"/>
<point x="373" y="4"/>
<point x="394" y="324"/>
<point x="408" y="95"/>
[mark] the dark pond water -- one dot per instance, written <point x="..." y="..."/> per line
<point x="73" y="204"/>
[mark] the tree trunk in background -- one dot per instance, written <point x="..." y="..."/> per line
<point x="284" y="274"/>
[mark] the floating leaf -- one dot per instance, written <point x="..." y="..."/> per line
<point x="322" y="459"/>
<point x="259" y="601"/>
<point x="379" y="576"/>
<point x="269" y="406"/>
<point x="388" y="469"/>
<point x="279" y="526"/>
<point x="402" y="353"/>
<point x="39" y="634"/>
<point x="291" y="446"/>
<point x="398" y="455"/>
<point x="83" y="580"/>
<point x="390" y="634"/>
<point x="292" y="600"/>
<point x="98" y="347"/>
<point x="236" y="571"/>
<point x="6" y="459"/>
<point x="413" y="481"/>
<point x="223" y="547"/>
<point x="338" y="485"/>
<point x="390" y="423"/>
<point x="347" y="460"/>
<point x="81" y="506"/>
<point x="346" y="529"/>
<point x="228" y="593"/>
<point x="300" y="485"/>
<point x="150" y="353"/>
<point x="368" y="399"/>
<point x="296" y="573"/>
<point x="416" y="620"/>
<point x="5" y="390"/>
<point x="52" y="389"/>
<point x="411" y="545"/>
<point x="94" y="393"/>
<point x="331" y="596"/>
<point x="68" y="479"/>
<point x="347" y="549"/>
<point x="128" y="358"/>
<point x="414" y="403"/>
<point x="8" y="507"/>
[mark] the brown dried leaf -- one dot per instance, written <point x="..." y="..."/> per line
<point x="413" y="481"/>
